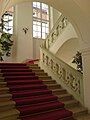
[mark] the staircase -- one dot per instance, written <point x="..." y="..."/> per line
<point x="63" y="96"/>
<point x="27" y="93"/>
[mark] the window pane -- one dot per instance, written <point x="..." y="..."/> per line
<point x="47" y="30"/>
<point x="43" y="36"/>
<point x="40" y="20"/>
<point x="34" y="27"/>
<point x="10" y="17"/>
<point x="8" y="21"/>
<point x="11" y="31"/>
<point x="6" y="24"/>
<point x="39" y="34"/>
<point x="47" y="24"/>
<point x="43" y="29"/>
<point x="36" y="5"/>
<point x="43" y="24"/>
<point x="36" y="13"/>
<point x="39" y="23"/>
<point x="34" y="34"/>
<point x="39" y="28"/>
<point x="34" y="22"/>
<point x="11" y="23"/>
<point x="5" y="17"/>
<point x="4" y="30"/>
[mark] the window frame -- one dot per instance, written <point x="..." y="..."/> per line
<point x="42" y="21"/>
<point x="7" y="24"/>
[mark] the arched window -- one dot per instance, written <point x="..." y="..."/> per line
<point x="40" y="20"/>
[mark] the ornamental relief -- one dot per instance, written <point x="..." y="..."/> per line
<point x="68" y="78"/>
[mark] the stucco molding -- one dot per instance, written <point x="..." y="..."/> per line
<point x="85" y="51"/>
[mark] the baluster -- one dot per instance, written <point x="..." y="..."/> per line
<point x="51" y="64"/>
<point x="57" y="30"/>
<point x="43" y="57"/>
<point x="57" y="68"/>
<point x="47" y="60"/>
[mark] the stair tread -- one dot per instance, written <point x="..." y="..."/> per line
<point x="3" y="83"/>
<point x="7" y="103"/>
<point x="61" y="89"/>
<point x="51" y="115"/>
<point x="77" y="109"/>
<point x="32" y="92"/>
<point x="4" y="88"/>
<point x="29" y="103"/>
<point x="53" y="85"/>
<point x="47" y="80"/>
<point x="70" y="101"/>
<point x="43" y="107"/>
<point x="36" y="97"/>
<point x="83" y="117"/>
<point x="5" y="95"/>
<point x="64" y="95"/>
<point x="2" y="78"/>
<point x="9" y="113"/>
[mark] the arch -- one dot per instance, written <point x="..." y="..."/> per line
<point x="73" y="10"/>
<point x="68" y="50"/>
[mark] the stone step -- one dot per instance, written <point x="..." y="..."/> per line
<point x="78" y="110"/>
<point x="4" y="90"/>
<point x="12" y="114"/>
<point x="53" y="86"/>
<point x="83" y="117"/>
<point x="65" y="97"/>
<point x="41" y="74"/>
<point x="33" y="65"/>
<point x="59" y="91"/>
<point x="5" y="97"/>
<point x="2" y="79"/>
<point x="1" y="74"/>
<point x="3" y="84"/>
<point x="7" y="105"/>
<point x="37" y="70"/>
<point x="71" y="103"/>
<point x="45" y="78"/>
<point x="49" y="81"/>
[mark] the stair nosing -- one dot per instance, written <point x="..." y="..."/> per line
<point x="9" y="113"/>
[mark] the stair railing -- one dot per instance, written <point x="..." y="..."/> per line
<point x="68" y="77"/>
<point x="58" y="28"/>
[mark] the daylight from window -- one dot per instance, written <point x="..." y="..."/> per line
<point x="40" y="20"/>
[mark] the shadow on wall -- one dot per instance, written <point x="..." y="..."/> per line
<point x="68" y="50"/>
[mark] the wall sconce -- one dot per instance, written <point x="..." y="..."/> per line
<point x="25" y="30"/>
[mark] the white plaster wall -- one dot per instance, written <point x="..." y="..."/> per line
<point x="36" y="47"/>
<point x="56" y="15"/>
<point x="68" y="50"/>
<point x="66" y="34"/>
<point x="24" y="42"/>
<point x="86" y="81"/>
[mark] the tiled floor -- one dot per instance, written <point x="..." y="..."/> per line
<point x="84" y="117"/>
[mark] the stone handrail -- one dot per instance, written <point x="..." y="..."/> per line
<point x="60" y="25"/>
<point x="64" y="74"/>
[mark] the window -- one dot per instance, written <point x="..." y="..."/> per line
<point x="40" y="20"/>
<point x="7" y="20"/>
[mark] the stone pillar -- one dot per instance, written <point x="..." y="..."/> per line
<point x="86" y="77"/>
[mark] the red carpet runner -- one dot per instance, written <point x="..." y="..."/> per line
<point x="33" y="99"/>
